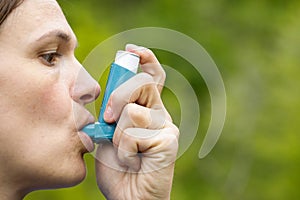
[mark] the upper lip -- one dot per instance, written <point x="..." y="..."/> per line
<point x="89" y="119"/>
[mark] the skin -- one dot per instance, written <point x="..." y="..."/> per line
<point x="42" y="105"/>
<point x="43" y="92"/>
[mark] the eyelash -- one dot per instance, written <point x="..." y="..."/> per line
<point x="50" y="59"/>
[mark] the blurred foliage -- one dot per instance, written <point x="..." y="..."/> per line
<point x="255" y="44"/>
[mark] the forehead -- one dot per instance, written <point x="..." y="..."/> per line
<point x="34" y="17"/>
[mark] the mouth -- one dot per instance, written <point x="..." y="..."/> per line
<point x="85" y="139"/>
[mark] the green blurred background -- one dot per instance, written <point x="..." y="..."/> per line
<point x="256" y="46"/>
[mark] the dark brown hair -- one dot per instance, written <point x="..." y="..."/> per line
<point x="6" y="7"/>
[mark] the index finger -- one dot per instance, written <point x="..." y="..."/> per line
<point x="149" y="64"/>
<point x="140" y="89"/>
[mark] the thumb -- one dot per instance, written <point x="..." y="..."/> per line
<point x="108" y="113"/>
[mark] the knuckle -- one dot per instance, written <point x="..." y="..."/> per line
<point x="168" y="147"/>
<point x="172" y="138"/>
<point x="163" y="74"/>
<point x="172" y="145"/>
<point x="126" y="139"/>
<point x="173" y="130"/>
<point x="122" y="156"/>
<point x="138" y="116"/>
<point x="122" y="151"/>
<point x="149" y="51"/>
<point x="145" y="78"/>
<point x="148" y="54"/>
<point x="129" y="108"/>
<point x="176" y="132"/>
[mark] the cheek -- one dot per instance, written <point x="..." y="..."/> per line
<point x="36" y="108"/>
<point x="54" y="102"/>
<point x="43" y="99"/>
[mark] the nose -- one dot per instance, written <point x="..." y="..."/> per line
<point x="85" y="89"/>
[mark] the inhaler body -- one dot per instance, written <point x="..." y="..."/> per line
<point x="123" y="68"/>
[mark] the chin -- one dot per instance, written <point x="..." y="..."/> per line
<point x="63" y="177"/>
<point x="65" y="181"/>
<point x="73" y="176"/>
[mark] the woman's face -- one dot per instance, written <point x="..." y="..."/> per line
<point x="43" y="90"/>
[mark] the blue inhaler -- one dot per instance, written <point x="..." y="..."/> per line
<point x="123" y="68"/>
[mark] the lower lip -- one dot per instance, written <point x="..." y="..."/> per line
<point x="87" y="141"/>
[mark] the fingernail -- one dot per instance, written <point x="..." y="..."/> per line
<point x="131" y="47"/>
<point x="108" y="113"/>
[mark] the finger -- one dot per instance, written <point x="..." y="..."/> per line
<point x="128" y="153"/>
<point x="136" y="116"/>
<point x="106" y="155"/>
<point x="147" y="150"/>
<point x="139" y="89"/>
<point x="142" y="117"/>
<point x="149" y="64"/>
<point x="133" y="142"/>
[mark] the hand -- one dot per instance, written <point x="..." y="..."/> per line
<point x="140" y="162"/>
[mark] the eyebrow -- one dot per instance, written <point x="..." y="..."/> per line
<point x="59" y="35"/>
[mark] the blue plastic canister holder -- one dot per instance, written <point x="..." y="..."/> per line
<point x="117" y="75"/>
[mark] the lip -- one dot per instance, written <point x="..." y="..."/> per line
<point x="86" y="141"/>
<point x="89" y="120"/>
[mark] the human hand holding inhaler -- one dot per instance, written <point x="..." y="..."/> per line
<point x="123" y="68"/>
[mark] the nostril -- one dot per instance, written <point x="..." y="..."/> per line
<point x="86" y="98"/>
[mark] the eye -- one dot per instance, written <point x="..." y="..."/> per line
<point x="50" y="59"/>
